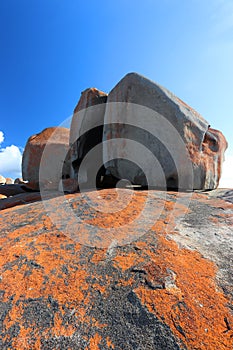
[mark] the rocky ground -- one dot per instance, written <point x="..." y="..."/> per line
<point x="66" y="286"/>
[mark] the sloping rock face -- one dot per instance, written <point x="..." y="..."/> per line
<point x="170" y="288"/>
<point x="87" y="130"/>
<point x="56" y="141"/>
<point x="166" y="133"/>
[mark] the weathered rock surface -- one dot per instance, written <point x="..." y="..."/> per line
<point x="2" y="180"/>
<point x="228" y="196"/>
<point x="11" y="190"/>
<point x="19" y="199"/>
<point x="160" y="133"/>
<point x="171" y="288"/>
<point x="68" y="185"/>
<point x="9" y="181"/>
<point x="86" y="130"/>
<point x="19" y="180"/>
<point x="14" y="189"/>
<point x="56" y="141"/>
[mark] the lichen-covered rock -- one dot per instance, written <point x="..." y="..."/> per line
<point x="56" y="143"/>
<point x="171" y="288"/>
<point x="147" y="113"/>
<point x="86" y="130"/>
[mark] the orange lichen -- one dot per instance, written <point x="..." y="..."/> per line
<point x="194" y="308"/>
<point x="57" y="134"/>
<point x="94" y="342"/>
<point x="127" y="261"/>
<point x="120" y="217"/>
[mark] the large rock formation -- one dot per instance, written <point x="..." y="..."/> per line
<point x="140" y="132"/>
<point x="150" y="137"/>
<point x="56" y="143"/>
<point x="166" y="126"/>
<point x="171" y="288"/>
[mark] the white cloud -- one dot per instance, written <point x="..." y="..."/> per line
<point x="1" y="137"/>
<point x="227" y="173"/>
<point x="10" y="160"/>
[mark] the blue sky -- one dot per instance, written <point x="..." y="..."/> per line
<point x="52" y="50"/>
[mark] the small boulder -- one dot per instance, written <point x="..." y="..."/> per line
<point x="2" y="196"/>
<point x="2" y="180"/>
<point x="9" y="181"/>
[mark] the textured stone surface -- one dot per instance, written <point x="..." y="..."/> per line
<point x="11" y="190"/>
<point x="56" y="141"/>
<point x="9" y="181"/>
<point x="14" y="189"/>
<point x="206" y="146"/>
<point x="169" y="289"/>
<point x="19" y="199"/>
<point x="2" y="180"/>
<point x="19" y="180"/>
<point x="68" y="185"/>
<point x="87" y="129"/>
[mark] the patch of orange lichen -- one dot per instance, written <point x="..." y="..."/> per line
<point x="33" y="260"/>
<point x="58" y="134"/>
<point x="182" y="291"/>
<point x="94" y="342"/>
<point x="121" y="216"/>
<point x="211" y="157"/>
<point x="192" y="306"/>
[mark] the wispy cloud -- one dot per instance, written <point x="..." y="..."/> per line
<point x="10" y="160"/>
<point x="1" y="137"/>
<point x="227" y="173"/>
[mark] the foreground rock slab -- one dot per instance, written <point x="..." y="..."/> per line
<point x="168" y="289"/>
